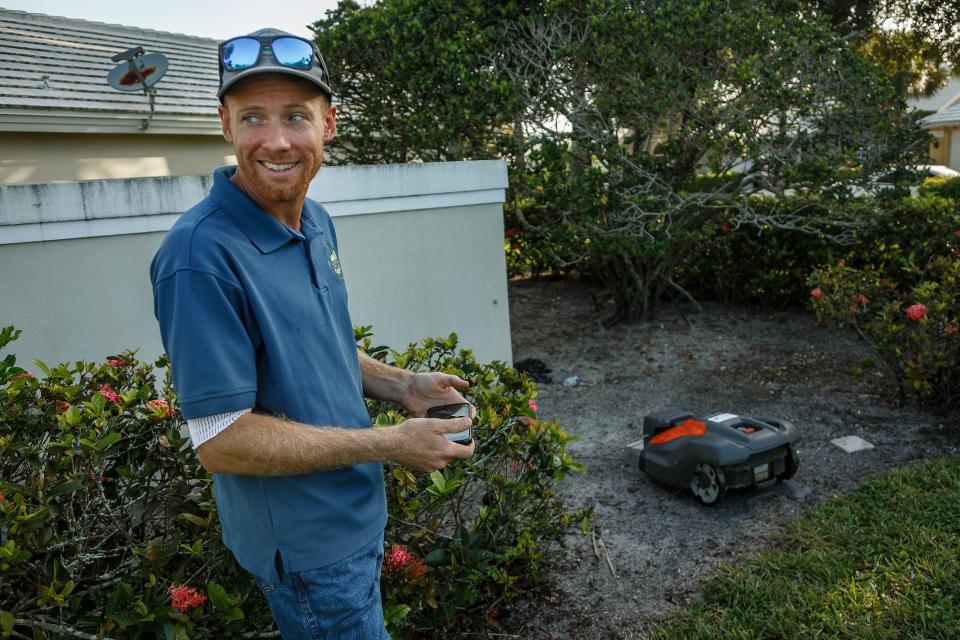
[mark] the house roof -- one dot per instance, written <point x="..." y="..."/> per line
<point x="945" y="97"/>
<point x="53" y="77"/>
<point x="947" y="116"/>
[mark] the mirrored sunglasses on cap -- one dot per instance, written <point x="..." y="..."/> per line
<point x="245" y="52"/>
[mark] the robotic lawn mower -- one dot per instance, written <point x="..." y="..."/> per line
<point x="721" y="451"/>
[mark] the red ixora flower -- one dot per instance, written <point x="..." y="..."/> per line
<point x="862" y="299"/>
<point x="957" y="233"/>
<point x="160" y="406"/>
<point x="950" y="328"/>
<point x="917" y="312"/>
<point x="183" y="597"/>
<point x="62" y="406"/>
<point x="724" y="227"/>
<point x="114" y="362"/>
<point x="107" y="392"/>
<point x="816" y="293"/>
<point x="397" y="559"/>
<point x="533" y="405"/>
<point x="22" y="376"/>
<point x="416" y="569"/>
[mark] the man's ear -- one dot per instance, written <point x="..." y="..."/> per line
<point x="330" y="124"/>
<point x="225" y="123"/>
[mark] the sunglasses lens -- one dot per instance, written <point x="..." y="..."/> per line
<point x="293" y="52"/>
<point x="240" y="54"/>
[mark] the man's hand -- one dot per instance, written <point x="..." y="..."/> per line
<point x="425" y="390"/>
<point x="422" y="445"/>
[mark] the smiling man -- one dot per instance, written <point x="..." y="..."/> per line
<point x="252" y="307"/>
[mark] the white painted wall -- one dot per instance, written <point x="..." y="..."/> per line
<point x="421" y="247"/>
<point x="954" y="149"/>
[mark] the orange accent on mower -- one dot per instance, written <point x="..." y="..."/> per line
<point x="689" y="427"/>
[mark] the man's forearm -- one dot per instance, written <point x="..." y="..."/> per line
<point x="263" y="445"/>
<point x="381" y="381"/>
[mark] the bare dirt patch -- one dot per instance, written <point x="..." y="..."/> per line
<point x="660" y="542"/>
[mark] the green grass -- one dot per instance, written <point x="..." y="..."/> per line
<point x="880" y="563"/>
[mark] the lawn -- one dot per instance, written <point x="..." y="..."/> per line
<point x="882" y="562"/>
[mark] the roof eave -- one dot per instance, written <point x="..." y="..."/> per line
<point x="63" y="121"/>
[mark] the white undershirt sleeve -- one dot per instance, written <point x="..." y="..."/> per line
<point x="202" y="429"/>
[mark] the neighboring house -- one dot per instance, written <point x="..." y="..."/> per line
<point x="943" y="123"/>
<point x="60" y="120"/>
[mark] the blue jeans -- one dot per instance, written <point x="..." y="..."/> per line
<point x="338" y="602"/>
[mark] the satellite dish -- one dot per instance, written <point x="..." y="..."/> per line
<point x="138" y="73"/>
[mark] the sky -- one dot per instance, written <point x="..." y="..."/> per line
<point x="218" y="19"/>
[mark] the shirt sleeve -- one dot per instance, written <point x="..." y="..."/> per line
<point x="211" y="337"/>
<point x="202" y="429"/>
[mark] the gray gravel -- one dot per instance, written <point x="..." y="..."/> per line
<point x="660" y="542"/>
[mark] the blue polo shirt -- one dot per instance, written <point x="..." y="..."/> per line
<point x="254" y="314"/>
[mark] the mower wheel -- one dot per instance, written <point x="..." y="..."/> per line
<point x="791" y="463"/>
<point x="708" y="484"/>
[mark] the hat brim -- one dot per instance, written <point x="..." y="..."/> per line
<point x="237" y="76"/>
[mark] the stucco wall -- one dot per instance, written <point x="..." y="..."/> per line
<point x="41" y="157"/>
<point x="421" y="248"/>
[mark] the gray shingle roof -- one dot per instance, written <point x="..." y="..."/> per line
<point x="950" y="115"/>
<point x="54" y="69"/>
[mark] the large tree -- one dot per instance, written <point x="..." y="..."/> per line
<point x="912" y="40"/>
<point x="644" y="96"/>
<point x="414" y="78"/>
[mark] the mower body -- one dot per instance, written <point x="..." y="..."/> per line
<point x="720" y="451"/>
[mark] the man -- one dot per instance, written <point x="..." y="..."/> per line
<point x="250" y="297"/>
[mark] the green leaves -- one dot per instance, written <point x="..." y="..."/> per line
<point x="455" y="535"/>
<point x="225" y="604"/>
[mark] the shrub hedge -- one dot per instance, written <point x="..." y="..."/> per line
<point x="108" y="525"/>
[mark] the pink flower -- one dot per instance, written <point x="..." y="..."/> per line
<point x="113" y="362"/>
<point x="917" y="312"/>
<point x="183" y="597"/>
<point x="23" y="376"/>
<point x="533" y="405"/>
<point x="509" y="233"/>
<point x="950" y="328"/>
<point x="416" y="569"/>
<point x="724" y="227"/>
<point x="107" y="392"/>
<point x="397" y="559"/>
<point x="62" y="406"/>
<point x="160" y="406"/>
<point x="816" y="293"/>
<point x="862" y="299"/>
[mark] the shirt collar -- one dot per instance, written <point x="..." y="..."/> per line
<point x="263" y="230"/>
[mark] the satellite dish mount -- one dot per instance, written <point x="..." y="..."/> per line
<point x="138" y="72"/>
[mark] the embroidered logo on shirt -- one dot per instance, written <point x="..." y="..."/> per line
<point x="333" y="260"/>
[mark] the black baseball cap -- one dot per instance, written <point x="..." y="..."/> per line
<point x="271" y="51"/>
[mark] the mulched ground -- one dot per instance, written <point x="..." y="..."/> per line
<point x="659" y="543"/>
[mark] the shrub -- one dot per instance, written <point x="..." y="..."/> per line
<point x="759" y="266"/>
<point x="900" y="289"/>
<point x="108" y="525"/>
<point x="941" y="186"/>
<point x="481" y="526"/>
<point x="106" y="517"/>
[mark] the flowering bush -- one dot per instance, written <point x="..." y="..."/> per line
<point x="108" y="527"/>
<point x="464" y="538"/>
<point x="107" y="523"/>
<point x="901" y="292"/>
